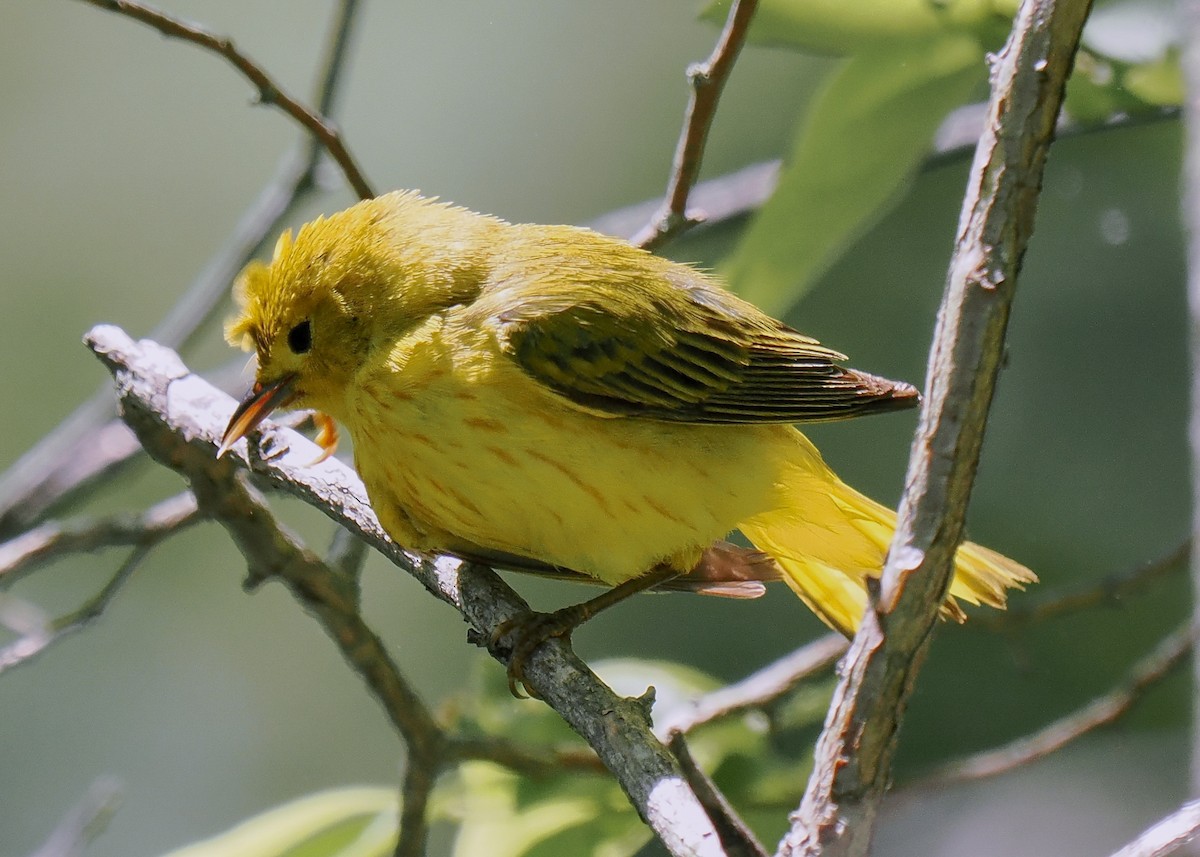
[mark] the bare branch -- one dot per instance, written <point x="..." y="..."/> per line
<point x="707" y="80"/>
<point x="55" y="538"/>
<point x="269" y="92"/>
<point x="736" y="836"/>
<point x="85" y="821"/>
<point x="179" y="418"/>
<point x="36" y="641"/>
<point x="1167" y="836"/>
<point x="271" y="551"/>
<point x="1168" y="656"/>
<point x="854" y="754"/>
<point x="89" y="446"/>
<point x="1108" y="590"/>
<point x="420" y="776"/>
<point x="758" y="689"/>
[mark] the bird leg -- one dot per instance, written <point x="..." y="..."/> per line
<point x="529" y="630"/>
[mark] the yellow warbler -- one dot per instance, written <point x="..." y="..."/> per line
<point x="551" y="399"/>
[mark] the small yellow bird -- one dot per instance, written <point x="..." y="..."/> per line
<point x="550" y="399"/>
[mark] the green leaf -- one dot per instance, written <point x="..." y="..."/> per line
<point x="586" y="811"/>
<point x="839" y="28"/>
<point x="1158" y="83"/>
<point x="352" y="822"/>
<point x="861" y="142"/>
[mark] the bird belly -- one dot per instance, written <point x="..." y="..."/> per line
<point x="500" y="464"/>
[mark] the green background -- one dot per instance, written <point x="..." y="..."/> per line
<point x="125" y="159"/>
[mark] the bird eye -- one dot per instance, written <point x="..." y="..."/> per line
<point x="300" y="337"/>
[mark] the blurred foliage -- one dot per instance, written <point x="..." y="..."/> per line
<point x="907" y="66"/>
<point x="1081" y="476"/>
<point x="503" y="814"/>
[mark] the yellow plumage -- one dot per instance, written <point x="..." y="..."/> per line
<point x="548" y="398"/>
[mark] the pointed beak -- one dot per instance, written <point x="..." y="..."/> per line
<point x="258" y="404"/>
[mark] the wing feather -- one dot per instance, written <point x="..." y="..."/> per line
<point x="617" y="330"/>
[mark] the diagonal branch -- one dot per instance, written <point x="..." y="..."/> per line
<point x="55" y="538"/>
<point x="1168" y="656"/>
<point x="269" y="91"/>
<point x="707" y="80"/>
<point x="89" y="445"/>
<point x="36" y="641"/>
<point x="854" y="753"/>
<point x="758" y="689"/>
<point x="1168" y="835"/>
<point x="1108" y="590"/>
<point x="179" y="418"/>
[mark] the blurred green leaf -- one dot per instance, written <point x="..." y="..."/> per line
<point x="1102" y="87"/>
<point x="494" y="820"/>
<point x="839" y="28"/>
<point x="861" y="142"/>
<point x="352" y="822"/>
<point x="1158" y="83"/>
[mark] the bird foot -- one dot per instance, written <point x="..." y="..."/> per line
<point x="525" y="633"/>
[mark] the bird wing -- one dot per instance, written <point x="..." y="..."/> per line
<point x="683" y="350"/>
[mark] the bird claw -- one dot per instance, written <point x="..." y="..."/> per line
<point x="527" y="632"/>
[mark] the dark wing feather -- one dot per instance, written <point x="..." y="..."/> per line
<point x="683" y="350"/>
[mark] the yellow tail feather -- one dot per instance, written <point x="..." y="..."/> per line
<point x="828" y="539"/>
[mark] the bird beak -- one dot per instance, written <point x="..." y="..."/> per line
<point x="259" y="402"/>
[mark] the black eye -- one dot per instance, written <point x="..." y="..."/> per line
<point x="300" y="337"/>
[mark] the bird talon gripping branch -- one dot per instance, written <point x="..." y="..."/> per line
<point x="549" y="398"/>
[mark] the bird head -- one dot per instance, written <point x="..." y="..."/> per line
<point x="342" y="287"/>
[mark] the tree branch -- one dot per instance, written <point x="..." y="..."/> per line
<point x="758" y="689"/>
<point x="1167" y="836"/>
<point x="89" y="446"/>
<point x="1108" y="590"/>
<point x="854" y="753"/>
<point x="707" y="80"/>
<point x="84" y="822"/>
<point x="37" y="640"/>
<point x="1168" y="656"/>
<point x="179" y="418"/>
<point x="269" y="91"/>
<point x="55" y="538"/>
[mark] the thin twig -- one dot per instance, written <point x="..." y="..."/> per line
<point x="852" y="764"/>
<point x="269" y="91"/>
<point x="1108" y="590"/>
<point x="180" y="419"/>
<point x="1167" y="836"/>
<point x="1106" y="709"/>
<point x="84" y="822"/>
<point x="32" y="644"/>
<point x="89" y="445"/>
<point x="707" y="80"/>
<point x="55" y="538"/>
<point x="420" y="776"/>
<point x="758" y="689"/>
<point x="737" y="838"/>
<point x="271" y="552"/>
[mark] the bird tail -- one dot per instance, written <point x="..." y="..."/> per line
<point x="828" y="539"/>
